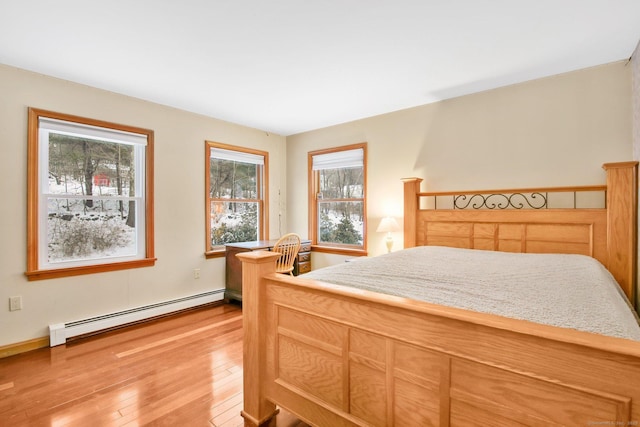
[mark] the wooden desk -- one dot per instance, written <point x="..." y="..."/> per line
<point x="233" y="267"/>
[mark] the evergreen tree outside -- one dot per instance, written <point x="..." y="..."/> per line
<point x="327" y="227"/>
<point x="246" y="230"/>
<point x="340" y="222"/>
<point x="346" y="233"/>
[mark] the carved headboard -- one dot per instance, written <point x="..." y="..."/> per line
<point x="608" y="234"/>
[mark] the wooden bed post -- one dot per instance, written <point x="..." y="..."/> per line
<point x="622" y="220"/>
<point x="411" y="190"/>
<point x="258" y="411"/>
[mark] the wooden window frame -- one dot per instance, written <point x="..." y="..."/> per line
<point x="314" y="185"/>
<point x="33" y="271"/>
<point x="263" y="203"/>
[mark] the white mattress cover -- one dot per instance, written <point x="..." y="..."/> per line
<point x="570" y="291"/>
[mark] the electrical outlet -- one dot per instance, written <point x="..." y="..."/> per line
<point x="15" y="303"/>
<point x="196" y="273"/>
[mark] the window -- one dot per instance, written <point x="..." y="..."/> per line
<point x="338" y="198"/>
<point x="236" y="208"/>
<point x="90" y="196"/>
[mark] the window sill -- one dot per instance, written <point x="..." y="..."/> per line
<point x="89" y="269"/>
<point x="338" y="250"/>
<point x="214" y="254"/>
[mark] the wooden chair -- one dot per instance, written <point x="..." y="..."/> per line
<point x="288" y="245"/>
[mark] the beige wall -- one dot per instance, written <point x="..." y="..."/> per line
<point x="553" y="131"/>
<point x="635" y="93"/>
<point x="549" y="132"/>
<point x="179" y="204"/>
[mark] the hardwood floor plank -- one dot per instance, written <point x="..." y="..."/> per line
<point x="229" y="417"/>
<point x="226" y="405"/>
<point x="178" y="337"/>
<point x="182" y="370"/>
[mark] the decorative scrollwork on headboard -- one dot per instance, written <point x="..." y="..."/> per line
<point x="500" y="201"/>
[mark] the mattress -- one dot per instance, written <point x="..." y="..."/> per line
<point x="569" y="291"/>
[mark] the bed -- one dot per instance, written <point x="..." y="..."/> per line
<point x="335" y="355"/>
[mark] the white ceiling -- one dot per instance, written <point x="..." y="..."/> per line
<point x="287" y="66"/>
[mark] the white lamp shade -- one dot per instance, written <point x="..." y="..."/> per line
<point x="388" y="225"/>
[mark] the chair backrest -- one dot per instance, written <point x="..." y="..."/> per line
<point x="288" y="245"/>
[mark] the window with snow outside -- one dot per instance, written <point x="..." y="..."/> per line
<point x="89" y="191"/>
<point x="235" y="195"/>
<point x="338" y="181"/>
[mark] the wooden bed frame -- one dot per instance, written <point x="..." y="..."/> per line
<point x="336" y="356"/>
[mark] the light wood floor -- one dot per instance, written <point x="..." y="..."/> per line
<point x="182" y="370"/>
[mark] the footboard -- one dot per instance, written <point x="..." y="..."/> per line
<point x="335" y="356"/>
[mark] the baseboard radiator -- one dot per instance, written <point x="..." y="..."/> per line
<point x="60" y="332"/>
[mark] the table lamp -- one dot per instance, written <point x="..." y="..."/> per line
<point x="388" y="225"/>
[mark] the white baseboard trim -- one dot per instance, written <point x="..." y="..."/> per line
<point x="60" y="332"/>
